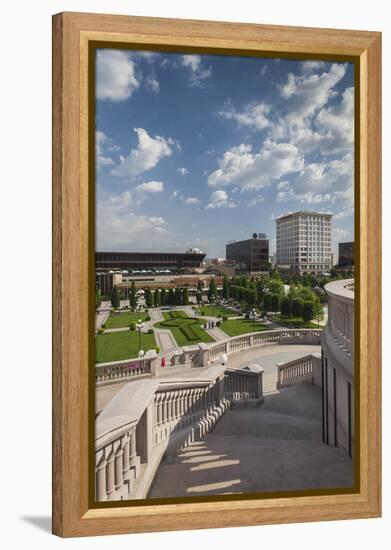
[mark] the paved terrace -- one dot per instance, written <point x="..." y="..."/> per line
<point x="276" y="447"/>
<point x="267" y="356"/>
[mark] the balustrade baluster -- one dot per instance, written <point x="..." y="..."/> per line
<point x="101" y="476"/>
<point x="110" y="482"/>
<point x="118" y="466"/>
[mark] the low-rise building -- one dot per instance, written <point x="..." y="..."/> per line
<point x="250" y="255"/>
<point x="346" y="254"/>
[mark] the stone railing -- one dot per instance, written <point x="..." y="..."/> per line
<point x="244" y="386"/>
<point x="206" y="354"/>
<point x="130" y="369"/>
<point x="185" y="356"/>
<point x="299" y="371"/>
<point x="150" y="418"/>
<point x="146" y="419"/>
<point x="341" y="313"/>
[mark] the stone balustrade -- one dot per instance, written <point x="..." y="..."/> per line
<point x="207" y="354"/>
<point x="244" y="385"/>
<point x="299" y="371"/>
<point x="120" y="371"/>
<point x="341" y="313"/>
<point x="150" y="418"/>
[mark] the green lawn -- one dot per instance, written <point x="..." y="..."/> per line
<point x="114" y="346"/>
<point x="186" y="330"/>
<point x="296" y="322"/>
<point x="120" y="320"/>
<point x="235" y="327"/>
<point x="214" y="311"/>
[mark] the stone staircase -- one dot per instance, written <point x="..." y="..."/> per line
<point x="276" y="447"/>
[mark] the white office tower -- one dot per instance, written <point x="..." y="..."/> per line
<point x="304" y="242"/>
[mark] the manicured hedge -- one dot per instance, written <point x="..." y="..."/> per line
<point x="177" y="314"/>
<point x="189" y="332"/>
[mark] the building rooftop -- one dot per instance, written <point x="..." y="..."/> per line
<point x="304" y="213"/>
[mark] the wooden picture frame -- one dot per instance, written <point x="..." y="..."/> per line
<point x="73" y="264"/>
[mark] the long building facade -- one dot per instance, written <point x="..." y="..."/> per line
<point x="304" y="242"/>
<point x="338" y="387"/>
<point x="148" y="260"/>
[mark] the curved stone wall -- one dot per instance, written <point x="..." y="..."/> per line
<point x="337" y="342"/>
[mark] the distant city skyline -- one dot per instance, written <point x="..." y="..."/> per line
<point x="201" y="150"/>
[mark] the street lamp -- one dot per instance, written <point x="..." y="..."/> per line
<point x="253" y="316"/>
<point x="139" y="327"/>
<point x="141" y="353"/>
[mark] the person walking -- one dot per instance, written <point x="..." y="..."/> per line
<point x="163" y="363"/>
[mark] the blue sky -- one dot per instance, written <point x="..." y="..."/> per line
<point x="199" y="150"/>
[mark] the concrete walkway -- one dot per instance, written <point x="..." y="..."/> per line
<point x="217" y="334"/>
<point x="277" y="447"/>
<point x="165" y="340"/>
<point x="102" y="314"/>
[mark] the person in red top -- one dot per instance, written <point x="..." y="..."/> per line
<point x="163" y="363"/>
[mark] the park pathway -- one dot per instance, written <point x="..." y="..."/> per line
<point x="217" y="334"/>
<point x="102" y="314"/>
<point x="165" y="340"/>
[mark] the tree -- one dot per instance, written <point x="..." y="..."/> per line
<point x="98" y="298"/>
<point x="225" y="288"/>
<point x="178" y="296"/>
<point x="250" y="295"/>
<point x="267" y="303"/>
<point x="286" y="307"/>
<point x="297" y="307"/>
<point x="115" y="298"/>
<point x="171" y="297"/>
<point x="200" y="286"/>
<point x="156" y="298"/>
<point x="148" y="298"/>
<point x="275" y="286"/>
<point x="185" y="297"/>
<point x="318" y="311"/>
<point x="212" y="291"/>
<point x="260" y="290"/>
<point x="163" y="297"/>
<point x="275" y="302"/>
<point x="133" y="296"/>
<point x="308" y="311"/>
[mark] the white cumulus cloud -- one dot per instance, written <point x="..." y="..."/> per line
<point x="306" y="93"/>
<point x="199" y="75"/>
<point x="152" y="83"/>
<point x="220" y="199"/>
<point x="248" y="170"/>
<point x="191" y="200"/>
<point x="183" y="171"/>
<point x="253" y="116"/>
<point x="145" y="156"/>
<point x="115" y="75"/>
<point x="120" y="228"/>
